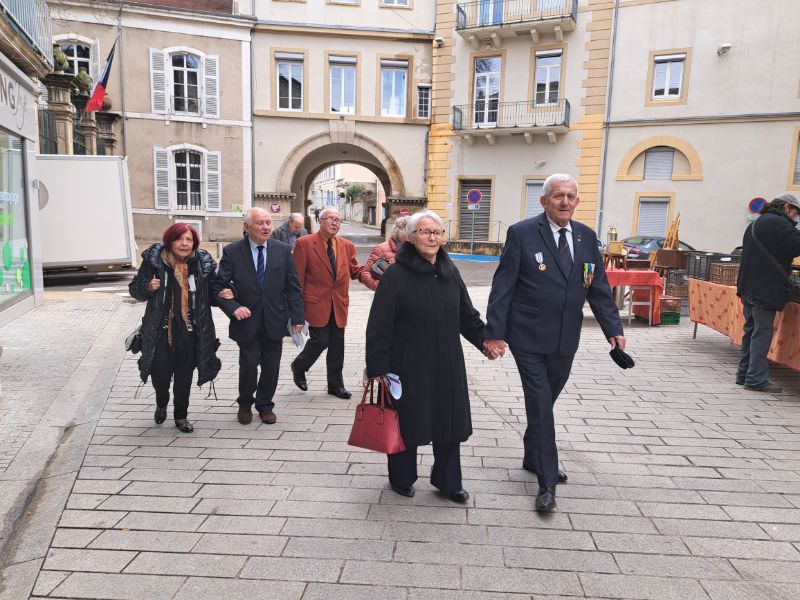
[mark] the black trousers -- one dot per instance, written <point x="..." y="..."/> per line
<point x="445" y="473"/>
<point x="177" y="366"/>
<point x="543" y="377"/>
<point x="320" y="338"/>
<point x="265" y="353"/>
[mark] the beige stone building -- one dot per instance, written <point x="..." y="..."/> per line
<point x="181" y="82"/>
<point x="339" y="81"/>
<point x="657" y="106"/>
<point x="330" y="188"/>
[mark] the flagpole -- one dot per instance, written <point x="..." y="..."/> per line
<point x="121" y="63"/>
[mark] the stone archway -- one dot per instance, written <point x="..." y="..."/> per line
<point x="314" y="154"/>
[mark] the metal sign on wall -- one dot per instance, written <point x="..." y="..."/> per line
<point x="17" y="106"/>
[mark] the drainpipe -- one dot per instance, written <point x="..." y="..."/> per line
<point x="122" y="80"/>
<point x="253" y="119"/>
<point x="606" y="125"/>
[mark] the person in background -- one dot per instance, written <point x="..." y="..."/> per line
<point x="386" y="251"/>
<point x="419" y="313"/>
<point x="178" y="335"/>
<point x="290" y="231"/>
<point x="770" y="243"/>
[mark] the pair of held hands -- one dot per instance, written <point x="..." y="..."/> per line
<point x="240" y="314"/>
<point x="493" y="349"/>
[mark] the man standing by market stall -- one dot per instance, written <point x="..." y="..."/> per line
<point x="549" y="268"/>
<point x="770" y="243"/>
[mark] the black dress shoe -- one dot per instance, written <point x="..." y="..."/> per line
<point x="340" y="393"/>
<point x="407" y="492"/>
<point x="299" y="379"/>
<point x="160" y="415"/>
<point x="460" y="496"/>
<point x="562" y="476"/>
<point x="546" y="499"/>
<point x="184" y="425"/>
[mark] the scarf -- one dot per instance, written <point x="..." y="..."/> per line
<point x="179" y="297"/>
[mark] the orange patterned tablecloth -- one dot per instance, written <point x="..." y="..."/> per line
<point x="718" y="307"/>
<point x="617" y="277"/>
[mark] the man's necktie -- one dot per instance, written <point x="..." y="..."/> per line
<point x="563" y="250"/>
<point x="261" y="269"/>
<point x="332" y="257"/>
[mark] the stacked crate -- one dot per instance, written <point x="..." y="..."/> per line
<point x="699" y="263"/>
<point x="670" y="310"/>
<point x="677" y="286"/>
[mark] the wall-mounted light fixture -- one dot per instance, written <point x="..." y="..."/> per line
<point x="724" y="49"/>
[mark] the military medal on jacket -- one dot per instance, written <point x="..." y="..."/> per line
<point x="588" y="274"/>
<point x="539" y="257"/>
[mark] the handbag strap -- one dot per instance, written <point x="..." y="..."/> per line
<point x="764" y="249"/>
<point x="384" y="398"/>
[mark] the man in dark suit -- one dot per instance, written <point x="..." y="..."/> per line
<point x="262" y="273"/>
<point x="325" y="265"/>
<point x="549" y="268"/>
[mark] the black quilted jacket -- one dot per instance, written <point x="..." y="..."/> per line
<point x="203" y="267"/>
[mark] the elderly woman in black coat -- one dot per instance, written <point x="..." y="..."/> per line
<point x="178" y="332"/>
<point x="420" y="310"/>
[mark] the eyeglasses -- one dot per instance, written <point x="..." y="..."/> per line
<point x="333" y="220"/>
<point x="437" y="233"/>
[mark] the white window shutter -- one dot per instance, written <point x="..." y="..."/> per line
<point x="213" y="181"/>
<point x="94" y="63"/>
<point x="658" y="162"/>
<point x="161" y="178"/>
<point x="653" y="215"/>
<point x="211" y="86"/>
<point x="533" y="203"/>
<point x="158" y="81"/>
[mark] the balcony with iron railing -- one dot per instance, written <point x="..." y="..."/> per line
<point x="31" y="19"/>
<point x="497" y="19"/>
<point x="489" y="119"/>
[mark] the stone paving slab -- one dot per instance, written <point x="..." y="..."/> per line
<point x="682" y="485"/>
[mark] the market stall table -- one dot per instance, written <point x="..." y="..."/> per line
<point x="639" y="281"/>
<point x="718" y="307"/>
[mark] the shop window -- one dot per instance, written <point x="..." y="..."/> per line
<point x="16" y="268"/>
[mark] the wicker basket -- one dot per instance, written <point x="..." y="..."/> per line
<point x="677" y="290"/>
<point x="670" y="304"/>
<point x="699" y="265"/>
<point x="724" y="274"/>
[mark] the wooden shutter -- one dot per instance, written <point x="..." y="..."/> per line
<point x="213" y="181"/>
<point x="94" y="64"/>
<point x="658" y="163"/>
<point x="533" y="194"/>
<point x="211" y="86"/>
<point x="481" y="216"/>
<point x="161" y="178"/>
<point x="653" y="214"/>
<point x="158" y="81"/>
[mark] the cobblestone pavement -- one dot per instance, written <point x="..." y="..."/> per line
<point x="682" y="486"/>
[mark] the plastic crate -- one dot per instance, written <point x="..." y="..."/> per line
<point x="677" y="277"/>
<point x="670" y="318"/>
<point x="724" y="273"/>
<point x="699" y="264"/>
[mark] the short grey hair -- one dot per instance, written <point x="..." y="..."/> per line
<point x="248" y="214"/>
<point x="398" y="227"/>
<point x="413" y="221"/>
<point x="297" y="217"/>
<point x="557" y="178"/>
<point x="328" y="210"/>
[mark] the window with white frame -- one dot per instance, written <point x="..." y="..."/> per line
<point x="424" y="101"/>
<point x="486" y="87"/>
<point x="548" y="76"/>
<point x="343" y="84"/>
<point x="394" y="76"/>
<point x="184" y="81"/>
<point x="81" y="52"/>
<point x="187" y="178"/>
<point x="395" y="2"/>
<point x="668" y="76"/>
<point x="289" y="68"/>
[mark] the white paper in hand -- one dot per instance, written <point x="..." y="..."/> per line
<point x="297" y="337"/>
<point x="395" y="387"/>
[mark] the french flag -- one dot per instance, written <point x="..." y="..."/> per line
<point x="99" y="89"/>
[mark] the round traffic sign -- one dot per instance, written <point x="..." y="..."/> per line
<point x="404" y="212"/>
<point x="474" y="196"/>
<point x="756" y="204"/>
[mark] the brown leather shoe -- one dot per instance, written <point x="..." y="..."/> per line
<point x="245" y="415"/>
<point x="268" y="417"/>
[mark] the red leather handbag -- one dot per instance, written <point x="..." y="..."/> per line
<point x="376" y="426"/>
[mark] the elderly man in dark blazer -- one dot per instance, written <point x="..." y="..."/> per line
<point x="550" y="266"/>
<point x="267" y="297"/>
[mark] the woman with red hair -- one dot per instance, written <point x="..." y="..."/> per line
<point x="178" y="333"/>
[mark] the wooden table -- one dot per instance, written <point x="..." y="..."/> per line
<point x="639" y="281"/>
<point x="718" y="307"/>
